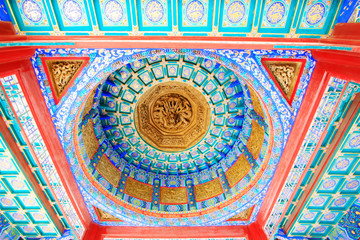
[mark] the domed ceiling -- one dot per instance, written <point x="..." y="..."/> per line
<point x="178" y="135"/>
<point x="175" y="137"/>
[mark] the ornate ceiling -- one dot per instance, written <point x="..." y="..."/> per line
<point x="338" y="187"/>
<point x="130" y="128"/>
<point x="23" y="212"/>
<point x="172" y="130"/>
<point x="172" y="137"/>
<point x="285" y="18"/>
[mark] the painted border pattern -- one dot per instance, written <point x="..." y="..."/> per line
<point x="317" y="127"/>
<point x="27" y="121"/>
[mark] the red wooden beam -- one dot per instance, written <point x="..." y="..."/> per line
<point x="97" y="232"/>
<point x="302" y="123"/>
<point x="340" y="64"/>
<point x="340" y="134"/>
<point x="35" y="99"/>
<point x="346" y="31"/>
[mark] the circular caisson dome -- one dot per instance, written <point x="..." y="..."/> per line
<point x="172" y="116"/>
<point x="173" y="136"/>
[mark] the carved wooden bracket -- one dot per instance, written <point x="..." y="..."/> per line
<point x="285" y="73"/>
<point x="61" y="72"/>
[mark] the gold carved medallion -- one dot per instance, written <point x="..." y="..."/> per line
<point x="172" y="112"/>
<point x="172" y="116"/>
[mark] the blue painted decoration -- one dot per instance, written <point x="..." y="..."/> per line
<point x="347" y="9"/>
<point x="4" y="15"/>
<point x="197" y="64"/>
<point x="276" y="18"/>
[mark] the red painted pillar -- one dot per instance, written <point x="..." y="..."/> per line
<point x="339" y="64"/>
<point x="346" y="31"/>
<point x="16" y="60"/>
<point x="303" y="120"/>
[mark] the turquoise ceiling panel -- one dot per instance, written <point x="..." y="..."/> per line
<point x="195" y="15"/>
<point x="277" y="16"/>
<point x="19" y="204"/>
<point x="326" y="196"/>
<point x="254" y="18"/>
<point x="338" y="186"/>
<point x="155" y="15"/>
<point x="113" y="15"/>
<point x="73" y="15"/>
<point x="31" y="15"/>
<point x="316" y="16"/>
<point x="235" y="15"/>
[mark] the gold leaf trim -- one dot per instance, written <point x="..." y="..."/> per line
<point x="285" y="74"/>
<point x="173" y="195"/>
<point x="208" y="190"/>
<point x="105" y="216"/>
<point x="256" y="102"/>
<point x="138" y="190"/>
<point x="108" y="171"/>
<point x="237" y="171"/>
<point x="89" y="103"/>
<point x="256" y="139"/>
<point x="242" y="216"/>
<point x="62" y="72"/>
<point x="90" y="141"/>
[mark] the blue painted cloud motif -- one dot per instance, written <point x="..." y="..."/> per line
<point x="315" y="13"/>
<point x="195" y="11"/>
<point x="275" y="13"/>
<point x="72" y="10"/>
<point x="114" y="11"/>
<point x="236" y="11"/>
<point x="154" y="11"/>
<point x="32" y="10"/>
<point x="355" y="141"/>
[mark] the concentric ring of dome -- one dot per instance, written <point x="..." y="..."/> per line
<point x="131" y="170"/>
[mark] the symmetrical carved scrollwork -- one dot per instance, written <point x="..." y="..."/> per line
<point x="138" y="190"/>
<point x="256" y="139"/>
<point x="237" y="171"/>
<point x="208" y="190"/>
<point x="108" y="171"/>
<point x="242" y="216"/>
